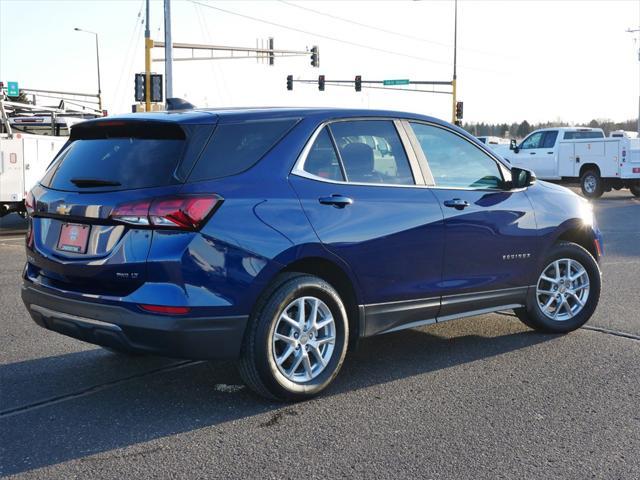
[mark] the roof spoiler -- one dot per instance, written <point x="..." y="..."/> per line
<point x="176" y="103"/>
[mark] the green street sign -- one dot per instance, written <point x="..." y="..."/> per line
<point x="12" y="89"/>
<point x="403" y="81"/>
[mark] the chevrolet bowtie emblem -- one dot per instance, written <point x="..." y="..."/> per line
<point x="63" y="209"/>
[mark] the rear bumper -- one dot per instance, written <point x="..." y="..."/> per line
<point x="120" y="328"/>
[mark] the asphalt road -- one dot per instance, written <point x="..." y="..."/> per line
<point x="482" y="397"/>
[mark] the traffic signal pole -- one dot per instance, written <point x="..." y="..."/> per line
<point x="148" y="45"/>
<point x="168" y="61"/>
<point x="455" y="59"/>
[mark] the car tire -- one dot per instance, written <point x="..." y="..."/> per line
<point x="635" y="190"/>
<point x="301" y="366"/>
<point x="591" y="184"/>
<point x="540" y="307"/>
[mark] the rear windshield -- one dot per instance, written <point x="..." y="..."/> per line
<point x="236" y="147"/>
<point x="582" y="135"/>
<point x="120" y="158"/>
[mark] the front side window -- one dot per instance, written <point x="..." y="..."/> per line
<point x="372" y="152"/>
<point x="455" y="162"/>
<point x="533" y="141"/>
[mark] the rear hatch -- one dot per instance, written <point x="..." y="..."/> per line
<point x="89" y="231"/>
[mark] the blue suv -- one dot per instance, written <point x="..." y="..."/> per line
<point x="280" y="236"/>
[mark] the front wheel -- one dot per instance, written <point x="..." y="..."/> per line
<point x="566" y="293"/>
<point x="635" y="190"/>
<point x="296" y="340"/>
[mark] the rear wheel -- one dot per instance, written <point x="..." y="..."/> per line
<point x="296" y="340"/>
<point x="591" y="184"/>
<point x="566" y="293"/>
<point x="635" y="190"/>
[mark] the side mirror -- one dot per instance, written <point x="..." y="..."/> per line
<point x="521" y="177"/>
<point x="513" y="145"/>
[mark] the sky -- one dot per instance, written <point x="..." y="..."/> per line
<point x="534" y="60"/>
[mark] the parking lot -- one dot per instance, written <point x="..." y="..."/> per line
<point x="483" y="397"/>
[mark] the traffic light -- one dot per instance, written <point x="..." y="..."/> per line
<point x="321" y="83"/>
<point x="139" y="87"/>
<point x="156" y="87"/>
<point x="459" y="106"/>
<point x="289" y="82"/>
<point x="315" y="56"/>
<point x="358" y="83"/>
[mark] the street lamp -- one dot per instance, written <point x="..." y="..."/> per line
<point x="98" y="63"/>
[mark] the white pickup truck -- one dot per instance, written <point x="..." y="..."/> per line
<point x="570" y="153"/>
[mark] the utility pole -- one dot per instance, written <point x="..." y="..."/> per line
<point x="97" y="62"/>
<point x="455" y="54"/>
<point x="637" y="30"/>
<point x="148" y="45"/>
<point x="168" y="57"/>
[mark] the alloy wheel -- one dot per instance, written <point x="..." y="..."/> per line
<point x="590" y="184"/>
<point x="562" y="289"/>
<point x="303" y="339"/>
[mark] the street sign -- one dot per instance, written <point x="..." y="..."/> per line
<point x="402" y="81"/>
<point x="12" y="89"/>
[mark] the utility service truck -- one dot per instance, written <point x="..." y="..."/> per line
<point x="31" y="135"/>
<point x="570" y="153"/>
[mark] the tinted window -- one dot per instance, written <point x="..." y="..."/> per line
<point x="549" y="139"/>
<point x="322" y="160"/>
<point x="582" y="135"/>
<point x="533" y="141"/>
<point x="122" y="162"/>
<point x="234" y="148"/>
<point x="455" y="162"/>
<point x="371" y="152"/>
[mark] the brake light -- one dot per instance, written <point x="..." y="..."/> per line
<point x="184" y="212"/>
<point x="165" y="310"/>
<point x="636" y="170"/>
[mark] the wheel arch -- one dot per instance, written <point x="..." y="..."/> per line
<point x="335" y="275"/>
<point x="589" y="166"/>
<point x="581" y="235"/>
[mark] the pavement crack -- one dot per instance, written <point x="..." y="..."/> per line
<point x="92" y="389"/>
<point x="609" y="331"/>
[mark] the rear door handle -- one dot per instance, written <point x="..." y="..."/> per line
<point x="532" y="153"/>
<point x="338" y="201"/>
<point x="456" y="203"/>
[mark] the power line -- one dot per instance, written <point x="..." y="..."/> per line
<point x="364" y="25"/>
<point x="384" y="30"/>
<point x="320" y="35"/>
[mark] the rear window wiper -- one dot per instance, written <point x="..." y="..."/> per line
<point x="94" y="182"/>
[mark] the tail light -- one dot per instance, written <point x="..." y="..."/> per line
<point x="183" y="212"/>
<point x="29" y="203"/>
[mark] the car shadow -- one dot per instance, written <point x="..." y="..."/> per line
<point x="178" y="397"/>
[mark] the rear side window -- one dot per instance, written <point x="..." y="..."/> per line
<point x="236" y="147"/>
<point x="322" y="160"/>
<point x="549" y="139"/>
<point x="118" y="157"/>
<point x="371" y="152"/>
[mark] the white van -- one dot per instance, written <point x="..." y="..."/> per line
<point x="23" y="161"/>
<point x="569" y="153"/>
